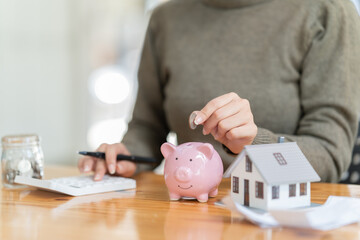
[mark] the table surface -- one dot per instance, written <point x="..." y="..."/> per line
<point x="145" y="213"/>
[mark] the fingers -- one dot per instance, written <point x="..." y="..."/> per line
<point x="212" y="106"/>
<point x="100" y="170"/>
<point x="232" y="122"/>
<point x="111" y="152"/>
<point x="237" y="138"/>
<point x="81" y="164"/>
<point x="122" y="168"/>
<point x="86" y="164"/>
<point x="227" y="111"/>
<point x="229" y="119"/>
<point x="110" y="164"/>
<point x="242" y="132"/>
<point x="110" y="157"/>
<point x="125" y="168"/>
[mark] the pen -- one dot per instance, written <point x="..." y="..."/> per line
<point x="135" y="159"/>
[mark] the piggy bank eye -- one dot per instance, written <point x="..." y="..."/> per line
<point x="176" y="158"/>
<point x="190" y="160"/>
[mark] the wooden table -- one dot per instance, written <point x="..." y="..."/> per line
<point x="145" y="213"/>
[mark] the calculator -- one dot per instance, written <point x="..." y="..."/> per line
<point x="79" y="185"/>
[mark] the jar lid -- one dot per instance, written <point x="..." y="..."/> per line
<point x="20" y="140"/>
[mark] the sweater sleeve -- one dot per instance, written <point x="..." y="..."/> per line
<point x="329" y="91"/>
<point x="148" y="128"/>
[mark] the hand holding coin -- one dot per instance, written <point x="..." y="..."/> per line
<point x="229" y="119"/>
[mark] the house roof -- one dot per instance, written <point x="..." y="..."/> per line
<point x="296" y="169"/>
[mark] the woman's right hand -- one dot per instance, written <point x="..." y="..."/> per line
<point x="110" y="165"/>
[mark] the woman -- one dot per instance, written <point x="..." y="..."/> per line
<point x="252" y="70"/>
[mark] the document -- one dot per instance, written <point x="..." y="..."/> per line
<point x="334" y="213"/>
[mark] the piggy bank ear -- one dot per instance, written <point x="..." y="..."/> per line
<point x="207" y="149"/>
<point x="167" y="148"/>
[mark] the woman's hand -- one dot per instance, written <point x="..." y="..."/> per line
<point x="229" y="120"/>
<point x="110" y="165"/>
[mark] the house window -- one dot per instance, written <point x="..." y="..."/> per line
<point x="292" y="190"/>
<point x="275" y="192"/>
<point x="248" y="166"/>
<point x="303" y="189"/>
<point x="259" y="190"/>
<point x="280" y="158"/>
<point x="236" y="184"/>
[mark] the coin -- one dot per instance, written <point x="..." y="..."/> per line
<point x="191" y="120"/>
<point x="24" y="165"/>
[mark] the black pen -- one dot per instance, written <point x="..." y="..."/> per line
<point x="135" y="159"/>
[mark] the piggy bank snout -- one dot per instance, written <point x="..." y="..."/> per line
<point x="183" y="174"/>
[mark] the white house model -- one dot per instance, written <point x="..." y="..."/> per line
<point x="271" y="176"/>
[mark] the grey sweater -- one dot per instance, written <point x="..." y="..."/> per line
<point x="296" y="61"/>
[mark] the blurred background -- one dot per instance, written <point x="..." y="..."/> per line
<point x="357" y="5"/>
<point x="68" y="70"/>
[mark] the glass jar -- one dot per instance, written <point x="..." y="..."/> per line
<point x="21" y="155"/>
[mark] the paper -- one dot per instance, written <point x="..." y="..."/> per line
<point x="335" y="212"/>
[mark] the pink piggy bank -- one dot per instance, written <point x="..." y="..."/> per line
<point x="192" y="170"/>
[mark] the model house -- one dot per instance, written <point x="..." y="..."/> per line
<point x="271" y="176"/>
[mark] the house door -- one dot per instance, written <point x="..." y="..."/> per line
<point x="246" y="192"/>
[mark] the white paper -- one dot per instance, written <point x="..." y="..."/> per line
<point x="334" y="213"/>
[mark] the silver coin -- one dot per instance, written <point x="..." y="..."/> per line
<point x="24" y="166"/>
<point x="191" y="120"/>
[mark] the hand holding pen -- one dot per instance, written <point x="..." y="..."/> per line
<point x="100" y="167"/>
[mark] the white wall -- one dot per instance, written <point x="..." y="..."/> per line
<point x="48" y="50"/>
<point x="36" y="81"/>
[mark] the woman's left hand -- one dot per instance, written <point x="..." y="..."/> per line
<point x="229" y="120"/>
